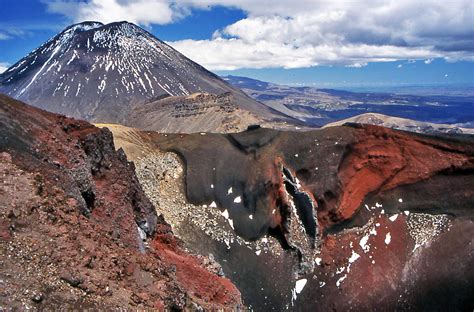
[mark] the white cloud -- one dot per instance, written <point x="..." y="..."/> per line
<point x="9" y="32"/>
<point x="399" y="66"/>
<point x="229" y="54"/>
<point x="357" y="65"/>
<point x="4" y="36"/>
<point x="3" y="67"/>
<point x="290" y="34"/>
<point x="428" y="61"/>
<point x="143" y="12"/>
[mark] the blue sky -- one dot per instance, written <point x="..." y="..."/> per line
<point x="308" y="42"/>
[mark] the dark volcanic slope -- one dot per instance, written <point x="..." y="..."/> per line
<point x="76" y="230"/>
<point x="98" y="72"/>
<point x="372" y="218"/>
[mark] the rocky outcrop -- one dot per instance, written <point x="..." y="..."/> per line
<point x="193" y="113"/>
<point x="308" y="220"/>
<point x="197" y="103"/>
<point x="78" y="232"/>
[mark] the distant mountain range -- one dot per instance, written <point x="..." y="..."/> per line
<point x="401" y="124"/>
<point x="101" y="73"/>
<point x="318" y="107"/>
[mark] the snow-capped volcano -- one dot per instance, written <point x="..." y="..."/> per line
<point x="99" y="72"/>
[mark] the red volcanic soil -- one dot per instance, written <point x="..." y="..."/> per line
<point x="76" y="230"/>
<point x="384" y="159"/>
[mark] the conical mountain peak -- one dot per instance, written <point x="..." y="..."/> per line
<point x="100" y="72"/>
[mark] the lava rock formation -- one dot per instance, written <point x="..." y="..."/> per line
<point x="369" y="217"/>
<point x="78" y="232"/>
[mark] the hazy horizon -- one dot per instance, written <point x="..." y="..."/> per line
<point x="299" y="43"/>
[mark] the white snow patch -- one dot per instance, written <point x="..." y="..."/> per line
<point x="109" y="64"/>
<point x="300" y="285"/>
<point x="78" y="88"/>
<point x="225" y="214"/>
<point x="400" y="200"/>
<point x="339" y="281"/>
<point x="354" y="257"/>
<point x="251" y="217"/>
<point x="231" y="223"/>
<point x="373" y="231"/>
<point x="237" y="200"/>
<point x="149" y="82"/>
<point x="318" y="260"/>
<point x="388" y="238"/>
<point x="258" y="252"/>
<point x="102" y="85"/>
<point x="393" y="218"/>
<point x="56" y="50"/>
<point x="298" y="184"/>
<point x="406" y="212"/>
<point x="213" y="205"/>
<point x="363" y="243"/>
<point x="74" y="55"/>
<point x="229" y="191"/>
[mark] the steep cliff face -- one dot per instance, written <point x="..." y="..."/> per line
<point x="78" y="232"/>
<point x="353" y="217"/>
<point x="194" y="113"/>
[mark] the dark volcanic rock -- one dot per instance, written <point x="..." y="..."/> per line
<point x="77" y="231"/>
<point x="371" y="218"/>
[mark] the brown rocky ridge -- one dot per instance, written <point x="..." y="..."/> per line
<point x="78" y="232"/>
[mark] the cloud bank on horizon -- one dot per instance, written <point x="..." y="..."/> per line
<point x="304" y="33"/>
